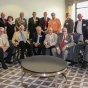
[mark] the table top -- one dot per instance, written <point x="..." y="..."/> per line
<point x="44" y="64"/>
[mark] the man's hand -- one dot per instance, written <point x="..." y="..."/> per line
<point x="4" y="48"/>
<point x="47" y="46"/>
<point x="86" y="41"/>
<point x="64" y="48"/>
<point x="16" y="43"/>
<point x="58" y="51"/>
<point x="36" y="44"/>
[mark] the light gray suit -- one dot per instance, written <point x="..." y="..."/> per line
<point x="69" y="42"/>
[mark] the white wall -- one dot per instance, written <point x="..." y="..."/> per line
<point x="14" y="7"/>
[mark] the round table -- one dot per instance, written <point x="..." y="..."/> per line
<point x="43" y="66"/>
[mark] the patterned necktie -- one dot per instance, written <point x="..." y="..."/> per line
<point x="34" y="20"/>
<point x="63" y="43"/>
<point x="23" y="38"/>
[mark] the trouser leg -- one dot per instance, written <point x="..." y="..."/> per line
<point x="22" y="46"/>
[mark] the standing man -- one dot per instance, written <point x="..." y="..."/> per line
<point x="21" y="21"/>
<point x="54" y="23"/>
<point x="44" y="22"/>
<point x="3" y="21"/>
<point x="69" y="23"/>
<point x="81" y="27"/>
<point x="33" y="22"/>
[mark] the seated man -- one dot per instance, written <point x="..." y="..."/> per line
<point x="50" y="40"/>
<point x="64" y="42"/>
<point x="38" y="40"/>
<point x="20" y="38"/>
<point x="77" y="49"/>
<point x="5" y="47"/>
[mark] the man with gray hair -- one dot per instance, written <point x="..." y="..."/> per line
<point x="64" y="42"/>
<point x="38" y="39"/>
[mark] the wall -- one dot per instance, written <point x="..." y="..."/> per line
<point x="14" y="7"/>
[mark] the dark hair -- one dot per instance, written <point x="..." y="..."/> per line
<point x="9" y="17"/>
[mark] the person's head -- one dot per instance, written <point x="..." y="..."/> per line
<point x="80" y="16"/>
<point x="68" y="15"/>
<point x="3" y="15"/>
<point x="34" y="14"/>
<point x="64" y="31"/>
<point x="1" y="30"/>
<point x="21" y="28"/>
<point x="38" y="30"/>
<point x="21" y="14"/>
<point x="50" y="30"/>
<point x="53" y="15"/>
<point x="10" y="18"/>
<point x="45" y="14"/>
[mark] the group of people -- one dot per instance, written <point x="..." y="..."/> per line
<point x="44" y="34"/>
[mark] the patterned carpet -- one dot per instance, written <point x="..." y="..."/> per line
<point x="11" y="78"/>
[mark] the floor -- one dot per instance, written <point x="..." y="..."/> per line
<point x="11" y="78"/>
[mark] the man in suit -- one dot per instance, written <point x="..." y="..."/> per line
<point x="81" y="27"/>
<point x="3" y="21"/>
<point x="50" y="40"/>
<point x="38" y="40"/>
<point x="21" y="39"/>
<point x="5" y="47"/>
<point x="64" y="42"/>
<point x="33" y="22"/>
<point x="69" y="23"/>
<point x="21" y="21"/>
<point x="43" y="23"/>
<point x="54" y="23"/>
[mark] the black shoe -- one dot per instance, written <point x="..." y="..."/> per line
<point x="84" y="65"/>
<point x="9" y="62"/>
<point x="4" y="66"/>
<point x="72" y="63"/>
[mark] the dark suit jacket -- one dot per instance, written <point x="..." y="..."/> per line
<point x="41" y="40"/>
<point x="2" y="23"/>
<point x="32" y="26"/>
<point x="42" y="24"/>
<point x="84" y="28"/>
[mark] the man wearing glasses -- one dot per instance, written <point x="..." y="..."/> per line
<point x="64" y="42"/>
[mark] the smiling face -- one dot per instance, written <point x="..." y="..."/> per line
<point x="21" y="28"/>
<point x="3" y="15"/>
<point x="53" y="15"/>
<point x="21" y="14"/>
<point x="64" y="31"/>
<point x="80" y="17"/>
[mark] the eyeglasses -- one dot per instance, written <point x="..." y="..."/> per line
<point x="1" y="31"/>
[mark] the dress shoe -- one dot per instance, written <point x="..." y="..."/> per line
<point x="4" y="66"/>
<point x="72" y="63"/>
<point x="84" y="65"/>
<point x="9" y="62"/>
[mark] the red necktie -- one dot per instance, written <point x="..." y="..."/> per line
<point x="63" y="44"/>
<point x="4" y="21"/>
